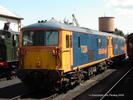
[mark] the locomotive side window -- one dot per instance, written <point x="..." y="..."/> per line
<point x="40" y="38"/>
<point x="99" y="42"/>
<point x="14" y="40"/>
<point x="78" y="41"/>
<point x="67" y="41"/>
<point x="70" y="41"/>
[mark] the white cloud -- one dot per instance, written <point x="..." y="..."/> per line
<point x="123" y="11"/>
<point x="121" y="7"/>
<point x="120" y="3"/>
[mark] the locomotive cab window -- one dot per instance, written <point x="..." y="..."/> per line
<point x="40" y="38"/>
<point x="68" y="41"/>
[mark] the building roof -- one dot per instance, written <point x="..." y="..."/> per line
<point x="6" y="13"/>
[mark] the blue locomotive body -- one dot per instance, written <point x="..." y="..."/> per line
<point x="86" y="48"/>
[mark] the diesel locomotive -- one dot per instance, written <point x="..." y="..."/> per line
<point x="8" y="52"/>
<point x="130" y="47"/>
<point x="59" y="55"/>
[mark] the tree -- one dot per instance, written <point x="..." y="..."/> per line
<point x="118" y="32"/>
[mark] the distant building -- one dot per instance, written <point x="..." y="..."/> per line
<point x="13" y="20"/>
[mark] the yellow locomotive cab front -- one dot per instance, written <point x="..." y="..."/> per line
<point x="38" y="50"/>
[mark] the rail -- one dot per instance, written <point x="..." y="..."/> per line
<point x="115" y="84"/>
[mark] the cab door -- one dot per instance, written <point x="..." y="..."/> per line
<point x="67" y="51"/>
<point x="110" y="47"/>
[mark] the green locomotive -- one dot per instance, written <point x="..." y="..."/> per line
<point x="8" y="52"/>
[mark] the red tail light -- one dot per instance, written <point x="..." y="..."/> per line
<point x="3" y="64"/>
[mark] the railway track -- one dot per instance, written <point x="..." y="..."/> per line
<point x="121" y="79"/>
<point x="15" y="90"/>
<point x="12" y="91"/>
<point x="51" y="96"/>
<point x="26" y="94"/>
<point x="102" y="90"/>
<point x="41" y="94"/>
<point x="18" y="97"/>
<point x="29" y="96"/>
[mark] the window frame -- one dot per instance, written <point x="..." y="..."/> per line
<point x="99" y="42"/>
<point x="68" y="39"/>
<point x="79" y="41"/>
<point x="58" y="31"/>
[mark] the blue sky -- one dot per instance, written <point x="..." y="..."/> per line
<point x="86" y="11"/>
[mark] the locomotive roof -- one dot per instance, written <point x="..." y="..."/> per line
<point x="55" y="25"/>
<point x="130" y="37"/>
